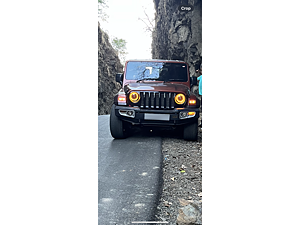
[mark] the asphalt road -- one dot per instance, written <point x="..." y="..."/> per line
<point x="129" y="177"/>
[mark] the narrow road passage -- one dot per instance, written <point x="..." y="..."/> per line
<point x="129" y="177"/>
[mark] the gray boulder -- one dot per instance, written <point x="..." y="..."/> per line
<point x="190" y="213"/>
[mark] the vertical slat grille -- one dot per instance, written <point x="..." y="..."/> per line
<point x="152" y="100"/>
<point x="147" y="102"/>
<point x="172" y="100"/>
<point x="157" y="100"/>
<point x="142" y="95"/>
<point x="168" y="100"/>
<point x="161" y="100"/>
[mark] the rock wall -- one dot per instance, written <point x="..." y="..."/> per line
<point x="108" y="66"/>
<point x="178" y="35"/>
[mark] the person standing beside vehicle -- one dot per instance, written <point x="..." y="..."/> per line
<point x="200" y="85"/>
<point x="200" y="80"/>
<point x="199" y="71"/>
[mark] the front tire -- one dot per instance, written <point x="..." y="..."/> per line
<point x="116" y="125"/>
<point x="190" y="132"/>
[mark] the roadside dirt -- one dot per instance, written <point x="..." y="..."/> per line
<point x="182" y="174"/>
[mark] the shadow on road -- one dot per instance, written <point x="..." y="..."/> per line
<point x="157" y="132"/>
<point x="176" y="133"/>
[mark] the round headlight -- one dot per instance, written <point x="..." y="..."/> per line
<point x="134" y="97"/>
<point x="180" y="99"/>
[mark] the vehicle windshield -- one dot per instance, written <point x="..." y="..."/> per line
<point x="161" y="71"/>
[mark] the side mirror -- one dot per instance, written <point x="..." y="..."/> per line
<point x="193" y="81"/>
<point x="119" y="78"/>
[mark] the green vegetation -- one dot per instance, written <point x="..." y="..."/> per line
<point x="101" y="13"/>
<point x="120" y="46"/>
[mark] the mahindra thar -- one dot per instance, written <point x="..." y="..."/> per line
<point x="155" y="93"/>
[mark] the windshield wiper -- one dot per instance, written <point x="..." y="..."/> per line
<point x="175" y="79"/>
<point x="147" y="79"/>
<point x="169" y="80"/>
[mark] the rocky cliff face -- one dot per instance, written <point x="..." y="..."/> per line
<point x="178" y="35"/>
<point x="108" y="65"/>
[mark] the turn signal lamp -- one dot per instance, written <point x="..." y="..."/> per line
<point x="191" y="113"/>
<point x="180" y="99"/>
<point x="122" y="100"/>
<point x="134" y="97"/>
<point x="192" y="102"/>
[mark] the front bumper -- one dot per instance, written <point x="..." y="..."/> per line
<point x="161" y="117"/>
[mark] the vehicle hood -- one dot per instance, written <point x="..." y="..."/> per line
<point x="156" y="87"/>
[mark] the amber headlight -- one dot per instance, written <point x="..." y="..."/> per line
<point x="180" y="99"/>
<point x="134" y="97"/>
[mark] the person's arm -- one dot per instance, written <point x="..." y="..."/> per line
<point x="200" y="85"/>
